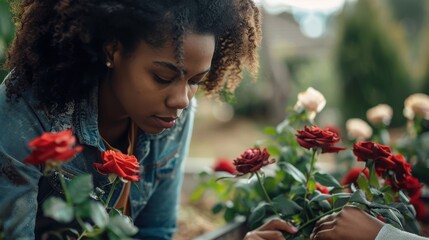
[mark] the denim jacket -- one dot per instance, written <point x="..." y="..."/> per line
<point x="154" y="201"/>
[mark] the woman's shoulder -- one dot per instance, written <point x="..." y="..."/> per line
<point x="21" y="111"/>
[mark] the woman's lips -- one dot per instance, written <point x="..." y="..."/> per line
<point x="166" y="122"/>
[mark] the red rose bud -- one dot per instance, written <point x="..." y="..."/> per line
<point x="124" y="166"/>
<point x="252" y="160"/>
<point x="321" y="188"/>
<point x="379" y="153"/>
<point x="314" y="137"/>
<point x="352" y="175"/>
<point x="59" y="147"/>
<point x="224" y="165"/>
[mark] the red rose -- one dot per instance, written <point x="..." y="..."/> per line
<point x="124" y="166"/>
<point x="315" y="137"/>
<point x="379" y="153"/>
<point x="420" y="207"/>
<point x="53" y="147"/>
<point x="321" y="188"/>
<point x="225" y="165"/>
<point x="413" y="187"/>
<point x="252" y="160"/>
<point x="402" y="168"/>
<point x="352" y="175"/>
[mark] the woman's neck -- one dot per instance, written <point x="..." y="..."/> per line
<point x="113" y="124"/>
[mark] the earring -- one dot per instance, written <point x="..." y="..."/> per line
<point x="108" y="64"/>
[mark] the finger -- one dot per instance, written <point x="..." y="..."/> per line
<point x="279" y="224"/>
<point x="252" y="236"/>
<point x="326" y="226"/>
<point x="269" y="235"/>
<point x="328" y="218"/>
<point x="327" y="234"/>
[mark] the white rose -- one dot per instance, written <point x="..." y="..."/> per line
<point x="358" y="129"/>
<point x="417" y="105"/>
<point x="382" y="113"/>
<point x="311" y="101"/>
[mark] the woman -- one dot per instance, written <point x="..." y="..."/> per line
<point x="122" y="75"/>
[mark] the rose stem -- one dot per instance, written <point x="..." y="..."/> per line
<point x="266" y="194"/>
<point x="63" y="185"/>
<point x="111" y="192"/>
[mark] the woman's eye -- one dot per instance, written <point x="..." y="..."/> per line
<point x="196" y="82"/>
<point x="162" y="80"/>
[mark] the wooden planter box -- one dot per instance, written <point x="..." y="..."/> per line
<point x="232" y="231"/>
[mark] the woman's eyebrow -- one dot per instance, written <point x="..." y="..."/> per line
<point x="176" y="68"/>
<point x="170" y="66"/>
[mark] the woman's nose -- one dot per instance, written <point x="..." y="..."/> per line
<point x="179" y="97"/>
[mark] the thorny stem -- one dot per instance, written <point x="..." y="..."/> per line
<point x="319" y="217"/>
<point x="112" y="189"/>
<point x="310" y="173"/>
<point x="63" y="185"/>
<point x="266" y="194"/>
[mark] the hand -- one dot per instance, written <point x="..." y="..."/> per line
<point x="350" y="223"/>
<point x="272" y="230"/>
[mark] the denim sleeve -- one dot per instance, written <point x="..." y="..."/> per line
<point x="18" y="181"/>
<point x="158" y="218"/>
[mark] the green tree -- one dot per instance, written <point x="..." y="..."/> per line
<point x="371" y="62"/>
<point x="424" y="60"/>
<point x="7" y="32"/>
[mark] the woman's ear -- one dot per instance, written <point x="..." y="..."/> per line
<point x="111" y="49"/>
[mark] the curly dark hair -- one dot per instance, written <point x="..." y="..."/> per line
<point x="59" y="46"/>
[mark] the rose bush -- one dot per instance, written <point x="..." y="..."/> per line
<point x="82" y="204"/>
<point x="295" y="189"/>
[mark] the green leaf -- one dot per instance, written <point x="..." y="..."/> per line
<point x="271" y="131"/>
<point x="359" y="197"/>
<point x="197" y="193"/>
<point x="258" y="214"/>
<point x="294" y="172"/>
<point x="405" y="209"/>
<point x="217" y="208"/>
<point x="298" y="190"/>
<point x="392" y="217"/>
<point x="286" y="206"/>
<point x="121" y="226"/>
<point x="311" y="185"/>
<point x="362" y="182"/>
<point x="229" y="214"/>
<point x="270" y="184"/>
<point x="320" y="197"/>
<point x="327" y="180"/>
<point x="80" y="188"/>
<point x="340" y="199"/>
<point x="373" y="179"/>
<point x="402" y="196"/>
<point x="57" y="209"/>
<point x="98" y="214"/>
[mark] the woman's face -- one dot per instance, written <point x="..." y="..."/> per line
<point x="151" y="88"/>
